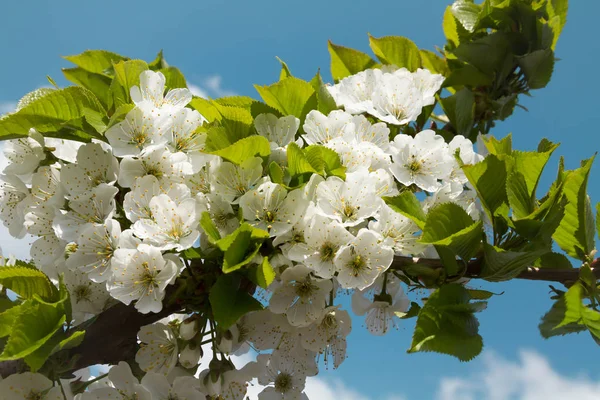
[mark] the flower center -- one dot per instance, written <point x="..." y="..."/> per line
<point x="283" y="382"/>
<point x="327" y="251"/>
<point x="148" y="277"/>
<point x="357" y="265"/>
<point x="269" y="217"/>
<point x="414" y="166"/>
<point x="139" y="137"/>
<point x="329" y="322"/>
<point x="34" y="396"/>
<point x="349" y="211"/>
<point x="152" y="170"/>
<point x="82" y="293"/>
<point x="305" y="288"/>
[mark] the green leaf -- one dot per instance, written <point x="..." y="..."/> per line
<point x="50" y="113"/>
<point x="241" y="246"/>
<point x="407" y="204"/>
<point x="446" y="324"/>
<point x="120" y="114"/>
<point x="275" y="173"/>
<point x="346" y="61"/>
<point x="174" y="78"/>
<point x="285" y="70"/>
<point x="70" y="342"/>
<point x="325" y="101"/>
<point x="96" y="61"/>
<point x="434" y="63"/>
<point x="557" y="13"/>
<point x="450" y="27"/>
<point x="7" y="319"/>
<point x="325" y="161"/>
<point x="537" y="67"/>
<point x="478" y="294"/>
<point x="570" y="315"/>
<point x="291" y="96"/>
<point x="97" y="83"/>
<point x="26" y="281"/>
<point x="553" y="261"/>
<point x="244" y="149"/>
<point x="467" y="13"/>
<point x="297" y="161"/>
<point x="450" y="226"/>
<point x="498" y="147"/>
<point x="209" y="227"/>
<point x="193" y="253"/>
<point x="460" y="109"/>
<point x="158" y="63"/>
<point x="396" y="50"/>
<point x="575" y="234"/>
<point x="502" y="265"/>
<point x="263" y="274"/>
<point x="488" y="177"/>
<point x="34" y="326"/>
<point x="206" y="108"/>
<point x="230" y="302"/>
<point x="127" y="75"/>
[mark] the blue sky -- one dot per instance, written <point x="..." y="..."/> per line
<point x="226" y="47"/>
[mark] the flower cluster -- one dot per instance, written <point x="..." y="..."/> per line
<point x="114" y="218"/>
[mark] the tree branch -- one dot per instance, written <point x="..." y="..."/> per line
<point x="547" y="273"/>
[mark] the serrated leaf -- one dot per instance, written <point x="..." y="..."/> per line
<point x="460" y="109"/>
<point x="275" y="173"/>
<point x="553" y="261"/>
<point x="450" y="226"/>
<point x="244" y="149"/>
<point x="467" y="13"/>
<point x="209" y="227"/>
<point x="488" y="177"/>
<point x="502" y="265"/>
<point x="97" y="83"/>
<point x="26" y="281"/>
<point x="50" y="113"/>
<point x="407" y="204"/>
<point x="206" y="108"/>
<point x="96" y="61"/>
<point x="297" y="161"/>
<point x="446" y="324"/>
<point x="291" y="96"/>
<point x="34" y="326"/>
<point x="575" y="234"/>
<point x="120" y="114"/>
<point x="325" y="161"/>
<point x="498" y="147"/>
<point x="127" y="75"/>
<point x="174" y="79"/>
<point x="230" y="302"/>
<point x="263" y="274"/>
<point x="241" y="246"/>
<point x="450" y="28"/>
<point x="325" y="102"/>
<point x="537" y="67"/>
<point x="396" y="50"/>
<point x="285" y="70"/>
<point x="434" y="63"/>
<point x="346" y="61"/>
<point x="7" y="319"/>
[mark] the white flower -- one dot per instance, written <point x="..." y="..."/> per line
<point x="222" y="214"/>
<point x="46" y="187"/>
<point x="29" y="386"/>
<point x="463" y="147"/>
<point x="186" y="138"/>
<point x="63" y="149"/>
<point x="136" y="132"/>
<point x="86" y="296"/>
<point x="422" y="160"/>
<point x="397" y="100"/>
<point x="453" y="192"/>
<point x="321" y="128"/>
<point x="137" y="201"/>
<point x="12" y="208"/>
<point x="143" y="275"/>
<point x="95" y="207"/>
<point x="361" y="261"/>
<point x="279" y="131"/>
<point x="300" y="296"/>
<point x="158" y="349"/>
<point x="150" y="97"/>
<point x="364" y="131"/>
<point x="328" y="335"/>
<point x="264" y="329"/>
<point x="95" y="248"/>
<point x="166" y="166"/>
<point x="383" y="310"/>
<point x="173" y="225"/>
<point x="349" y="202"/>
<point x="355" y="92"/>
<point x="183" y="388"/>
<point x="359" y="155"/>
<point x="48" y="248"/>
<point x="24" y="154"/>
<point x="272" y="208"/>
<point x="283" y="380"/>
<point x="126" y="386"/>
<point x="428" y="84"/>
<point x="398" y="232"/>
<point x="323" y="239"/>
<point x="231" y="181"/>
<point x="94" y="166"/>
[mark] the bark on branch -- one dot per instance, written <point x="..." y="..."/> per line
<point x="112" y="336"/>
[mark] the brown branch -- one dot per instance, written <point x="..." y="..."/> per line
<point x="547" y="273"/>
<point x="110" y="338"/>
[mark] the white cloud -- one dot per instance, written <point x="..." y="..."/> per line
<point x="7" y="106"/>
<point x="531" y="378"/>
<point x="210" y="87"/>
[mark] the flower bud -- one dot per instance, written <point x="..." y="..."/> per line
<point x="190" y="356"/>
<point x="188" y="329"/>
